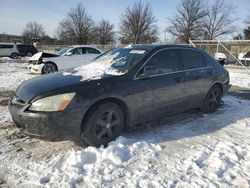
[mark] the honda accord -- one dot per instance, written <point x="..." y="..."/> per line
<point x="117" y="90"/>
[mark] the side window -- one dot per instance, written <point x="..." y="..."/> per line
<point x="92" y="51"/>
<point x="193" y="59"/>
<point x="166" y="61"/>
<point x="78" y="51"/>
<point x="6" y="46"/>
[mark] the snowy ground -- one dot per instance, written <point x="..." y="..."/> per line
<point x="190" y="150"/>
<point x="194" y="150"/>
<point x="239" y="76"/>
<point x="12" y="73"/>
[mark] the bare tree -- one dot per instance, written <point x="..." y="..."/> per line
<point x="104" y="33"/>
<point x="138" y="25"/>
<point x="77" y="26"/>
<point x="188" y="21"/>
<point x="247" y="21"/>
<point x="247" y="33"/>
<point x="33" y="30"/>
<point x="239" y="36"/>
<point x="218" y="20"/>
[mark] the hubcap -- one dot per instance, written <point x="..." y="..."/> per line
<point x="107" y="125"/>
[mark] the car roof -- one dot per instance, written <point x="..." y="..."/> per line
<point x="159" y="46"/>
<point x="7" y="43"/>
<point x="77" y="46"/>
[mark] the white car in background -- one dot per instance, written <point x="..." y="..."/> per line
<point x="221" y="57"/>
<point x="8" y="50"/>
<point x="244" y="57"/>
<point x="70" y="57"/>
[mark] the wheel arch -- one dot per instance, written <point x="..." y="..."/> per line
<point x="51" y="62"/>
<point x="219" y="84"/>
<point x="115" y="100"/>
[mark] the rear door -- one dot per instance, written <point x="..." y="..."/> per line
<point x="199" y="75"/>
<point x="6" y="49"/>
<point x="160" y="92"/>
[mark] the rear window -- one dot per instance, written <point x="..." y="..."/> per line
<point x="6" y="46"/>
<point x="193" y="59"/>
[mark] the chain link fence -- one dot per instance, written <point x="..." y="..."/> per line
<point x="233" y="49"/>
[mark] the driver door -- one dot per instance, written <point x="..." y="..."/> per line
<point x="162" y="91"/>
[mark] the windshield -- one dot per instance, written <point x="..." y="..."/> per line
<point x="120" y="60"/>
<point x="114" y="62"/>
<point x="62" y="51"/>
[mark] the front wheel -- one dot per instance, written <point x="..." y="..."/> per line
<point x="212" y="100"/>
<point x="103" y="125"/>
<point x="49" y="68"/>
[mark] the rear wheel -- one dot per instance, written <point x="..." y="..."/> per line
<point x="14" y="55"/>
<point x="49" y="68"/>
<point x="212" y="100"/>
<point x="103" y="124"/>
<point x="29" y="54"/>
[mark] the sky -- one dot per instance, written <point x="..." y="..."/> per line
<point x="14" y="14"/>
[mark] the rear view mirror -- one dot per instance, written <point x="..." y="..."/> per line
<point x="149" y="71"/>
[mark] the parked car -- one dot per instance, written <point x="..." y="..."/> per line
<point x="118" y="90"/>
<point x="26" y="50"/>
<point x="221" y="57"/>
<point x="69" y="57"/>
<point x="8" y="50"/>
<point x="244" y="58"/>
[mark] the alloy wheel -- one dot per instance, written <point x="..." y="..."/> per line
<point x="214" y="98"/>
<point x="107" y="125"/>
<point x="48" y="68"/>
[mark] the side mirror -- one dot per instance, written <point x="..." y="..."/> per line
<point x="69" y="54"/>
<point x="149" y="71"/>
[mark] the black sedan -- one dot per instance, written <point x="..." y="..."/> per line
<point x="117" y="90"/>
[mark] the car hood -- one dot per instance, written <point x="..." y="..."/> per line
<point x="57" y="81"/>
<point x="40" y="55"/>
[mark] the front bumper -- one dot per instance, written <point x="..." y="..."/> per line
<point x="64" y="125"/>
<point x="36" y="68"/>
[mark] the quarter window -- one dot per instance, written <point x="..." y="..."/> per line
<point x="193" y="59"/>
<point x="166" y="61"/>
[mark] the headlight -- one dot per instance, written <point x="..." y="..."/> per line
<point x="53" y="103"/>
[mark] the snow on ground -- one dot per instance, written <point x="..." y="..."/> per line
<point x="12" y="75"/>
<point x="239" y="76"/>
<point x="193" y="150"/>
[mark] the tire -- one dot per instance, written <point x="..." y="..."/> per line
<point x="29" y="54"/>
<point x="14" y="55"/>
<point x="212" y="100"/>
<point x="103" y="124"/>
<point x="49" y="68"/>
